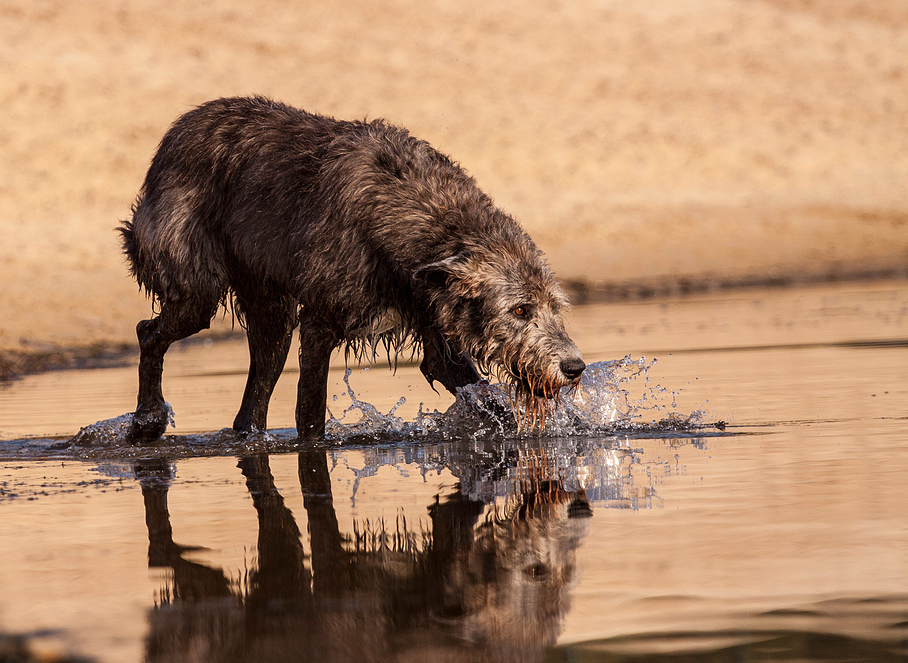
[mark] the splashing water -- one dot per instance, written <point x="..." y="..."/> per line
<point x="613" y="397"/>
<point x="371" y="423"/>
<point x="111" y="430"/>
<point x="616" y="396"/>
<point x="586" y="443"/>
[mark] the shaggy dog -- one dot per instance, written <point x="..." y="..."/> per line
<point x="361" y="234"/>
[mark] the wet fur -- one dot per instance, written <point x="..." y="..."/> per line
<point x="363" y="235"/>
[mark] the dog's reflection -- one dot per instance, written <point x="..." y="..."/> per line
<point x="483" y="584"/>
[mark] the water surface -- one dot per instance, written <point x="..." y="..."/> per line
<point x="780" y="534"/>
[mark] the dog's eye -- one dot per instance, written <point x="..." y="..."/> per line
<point x="536" y="572"/>
<point x="520" y="311"/>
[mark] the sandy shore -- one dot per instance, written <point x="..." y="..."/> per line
<point x="656" y="142"/>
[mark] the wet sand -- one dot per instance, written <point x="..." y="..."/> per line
<point x="661" y="144"/>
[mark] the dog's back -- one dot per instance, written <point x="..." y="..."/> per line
<point x="228" y="178"/>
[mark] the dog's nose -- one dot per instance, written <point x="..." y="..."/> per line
<point x="572" y="368"/>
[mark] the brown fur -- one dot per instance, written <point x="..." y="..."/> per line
<point x="362" y="234"/>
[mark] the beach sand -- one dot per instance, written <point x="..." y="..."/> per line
<point x="711" y="141"/>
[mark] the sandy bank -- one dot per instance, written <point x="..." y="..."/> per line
<point x="657" y="142"/>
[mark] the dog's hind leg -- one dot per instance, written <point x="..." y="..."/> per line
<point x="269" y="326"/>
<point x="177" y="320"/>
<point x="316" y="344"/>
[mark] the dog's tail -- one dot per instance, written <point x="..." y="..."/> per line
<point x="129" y="245"/>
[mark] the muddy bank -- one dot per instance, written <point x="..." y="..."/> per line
<point x="583" y="292"/>
<point x="35" y="359"/>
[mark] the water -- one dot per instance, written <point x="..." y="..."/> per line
<point x="742" y="498"/>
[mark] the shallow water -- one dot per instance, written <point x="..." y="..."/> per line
<point x="780" y="534"/>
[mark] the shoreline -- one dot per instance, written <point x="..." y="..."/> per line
<point x="47" y="357"/>
<point x="677" y="287"/>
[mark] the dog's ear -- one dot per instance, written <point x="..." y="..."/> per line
<point x="440" y="274"/>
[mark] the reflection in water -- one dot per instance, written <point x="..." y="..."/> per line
<point x="481" y="584"/>
<point x="604" y="468"/>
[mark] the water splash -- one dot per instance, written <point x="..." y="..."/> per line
<point x="588" y="443"/>
<point x="371" y="422"/>
<point x="617" y="396"/>
<point x="111" y="431"/>
<point x="613" y="397"/>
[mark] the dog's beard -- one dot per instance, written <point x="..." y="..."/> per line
<point x="533" y="398"/>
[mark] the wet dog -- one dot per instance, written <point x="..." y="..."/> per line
<point x="361" y="234"/>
